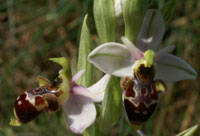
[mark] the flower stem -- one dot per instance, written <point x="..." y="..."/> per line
<point x="140" y="133"/>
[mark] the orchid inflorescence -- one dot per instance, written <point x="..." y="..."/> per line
<point x="145" y="69"/>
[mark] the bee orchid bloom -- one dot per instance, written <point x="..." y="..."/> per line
<point x="144" y="68"/>
<point x="76" y="100"/>
<point x="118" y="59"/>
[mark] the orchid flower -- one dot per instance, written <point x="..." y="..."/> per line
<point x="76" y="100"/>
<point x="119" y="59"/>
<point x="118" y="6"/>
<point x="79" y="108"/>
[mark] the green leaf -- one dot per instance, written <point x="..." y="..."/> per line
<point x="189" y="131"/>
<point x="85" y="48"/>
<point x="133" y="12"/>
<point x="167" y="9"/>
<point x="111" y="109"/>
<point x="104" y="15"/>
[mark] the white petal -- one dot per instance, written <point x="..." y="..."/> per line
<point x="152" y="31"/>
<point x="98" y="89"/>
<point x="118" y="6"/>
<point x="80" y="113"/>
<point x="162" y="51"/>
<point x="77" y="75"/>
<point x="95" y="92"/>
<point x="112" y="58"/>
<point x="136" y="53"/>
<point x="171" y="69"/>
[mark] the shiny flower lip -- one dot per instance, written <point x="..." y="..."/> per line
<point x="118" y="59"/>
<point x="34" y="101"/>
<point x="140" y="100"/>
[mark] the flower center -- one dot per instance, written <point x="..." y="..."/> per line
<point x="144" y="69"/>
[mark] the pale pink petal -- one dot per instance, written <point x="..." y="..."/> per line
<point x="152" y="31"/>
<point x="80" y="113"/>
<point x="162" y="51"/>
<point x="136" y="53"/>
<point x="112" y="58"/>
<point x="77" y="75"/>
<point x="98" y="89"/>
<point x="80" y="90"/>
<point x="95" y="92"/>
<point x="171" y="69"/>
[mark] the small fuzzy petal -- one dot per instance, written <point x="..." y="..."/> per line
<point x="136" y="53"/>
<point x="152" y="31"/>
<point x="171" y="69"/>
<point x="77" y="75"/>
<point x="162" y="51"/>
<point x="112" y="58"/>
<point x="80" y="113"/>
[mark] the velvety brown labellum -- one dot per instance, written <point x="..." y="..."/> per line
<point x="31" y="103"/>
<point x="24" y="110"/>
<point x="140" y="100"/>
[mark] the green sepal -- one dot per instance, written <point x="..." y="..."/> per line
<point x="105" y="20"/>
<point x="111" y="109"/>
<point x="42" y="81"/>
<point x="85" y="47"/>
<point x="133" y="12"/>
<point x="149" y="55"/>
<point x="167" y="9"/>
<point x="65" y="76"/>
<point x="189" y="132"/>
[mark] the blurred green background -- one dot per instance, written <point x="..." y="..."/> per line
<point x="31" y="32"/>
